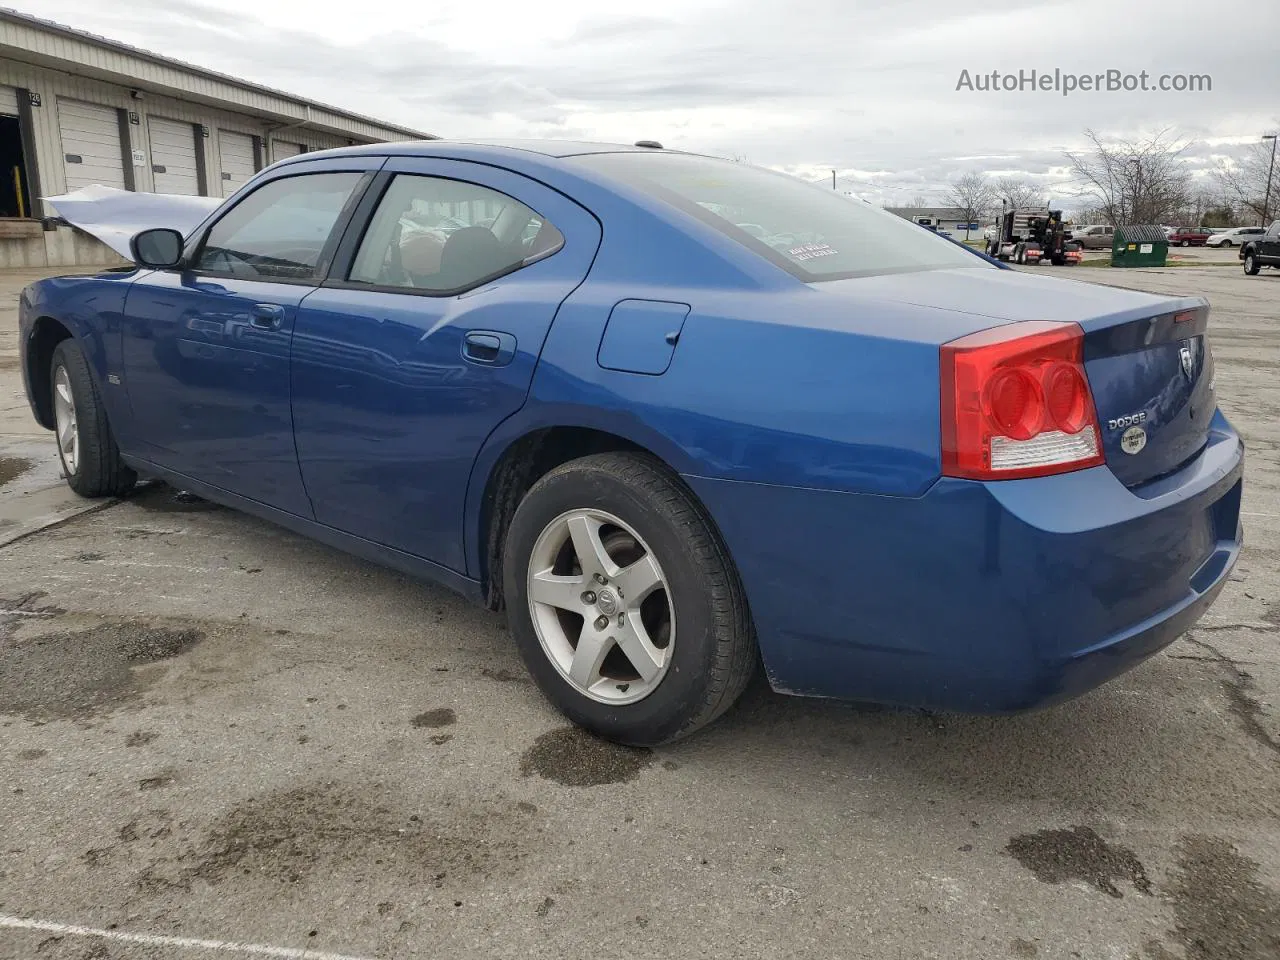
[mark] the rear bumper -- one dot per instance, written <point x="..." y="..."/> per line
<point x="988" y="598"/>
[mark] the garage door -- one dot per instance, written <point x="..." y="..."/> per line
<point x="235" y="153"/>
<point x="173" y="156"/>
<point x="90" y="144"/>
<point x="280" y="149"/>
<point x="9" y="101"/>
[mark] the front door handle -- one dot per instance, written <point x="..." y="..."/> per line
<point x="267" y="316"/>
<point x="488" y="347"/>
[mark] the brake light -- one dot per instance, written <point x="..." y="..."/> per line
<point x="1016" y="403"/>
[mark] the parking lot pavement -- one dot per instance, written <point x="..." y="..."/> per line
<point x="213" y="729"/>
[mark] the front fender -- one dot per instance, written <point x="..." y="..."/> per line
<point x="91" y="309"/>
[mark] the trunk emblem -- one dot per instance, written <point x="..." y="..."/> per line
<point x="1133" y="440"/>
<point x="1187" y="361"/>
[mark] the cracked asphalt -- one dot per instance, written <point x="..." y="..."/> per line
<point x="211" y="728"/>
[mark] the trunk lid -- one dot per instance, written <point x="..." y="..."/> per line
<point x="1146" y="356"/>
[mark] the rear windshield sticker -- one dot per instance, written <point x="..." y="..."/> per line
<point x="811" y="251"/>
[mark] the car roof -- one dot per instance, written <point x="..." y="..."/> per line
<point x="479" y="148"/>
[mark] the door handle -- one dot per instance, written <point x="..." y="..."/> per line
<point x="488" y="347"/>
<point x="267" y="316"/>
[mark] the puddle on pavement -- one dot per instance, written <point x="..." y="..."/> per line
<point x="440" y="717"/>
<point x="1222" y="911"/>
<point x="81" y="673"/>
<point x="574" y="758"/>
<point x="1078" y="853"/>
<point x="11" y="468"/>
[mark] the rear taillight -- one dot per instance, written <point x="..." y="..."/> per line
<point x="1016" y="403"/>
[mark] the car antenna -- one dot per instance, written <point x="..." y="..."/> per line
<point x="651" y="144"/>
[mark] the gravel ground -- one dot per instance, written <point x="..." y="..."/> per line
<point x="213" y="729"/>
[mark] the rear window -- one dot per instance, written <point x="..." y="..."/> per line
<point x="814" y="234"/>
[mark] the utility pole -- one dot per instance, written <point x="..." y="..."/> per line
<point x="833" y="180"/>
<point x="1266" y="200"/>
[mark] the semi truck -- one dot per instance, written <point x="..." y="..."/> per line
<point x="1033" y="235"/>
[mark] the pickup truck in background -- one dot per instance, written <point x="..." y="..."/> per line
<point x="1263" y="251"/>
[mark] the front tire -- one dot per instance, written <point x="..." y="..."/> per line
<point x="623" y="602"/>
<point x="1251" y="265"/>
<point x="86" y="446"/>
<point x="1184" y="243"/>
<point x="1226" y="243"/>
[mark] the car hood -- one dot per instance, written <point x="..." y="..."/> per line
<point x="114" y="216"/>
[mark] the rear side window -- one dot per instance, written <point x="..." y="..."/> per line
<point x="279" y="231"/>
<point x="438" y="236"/>
<point x="813" y="233"/>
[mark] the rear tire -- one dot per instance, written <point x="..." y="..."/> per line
<point x="1251" y="266"/>
<point x="624" y="518"/>
<point x="86" y="446"/>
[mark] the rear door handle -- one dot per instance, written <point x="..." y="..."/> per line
<point x="267" y="316"/>
<point x="489" y="347"/>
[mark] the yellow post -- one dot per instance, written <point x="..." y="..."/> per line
<point x="17" y="189"/>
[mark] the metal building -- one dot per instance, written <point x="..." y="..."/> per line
<point x="78" y="109"/>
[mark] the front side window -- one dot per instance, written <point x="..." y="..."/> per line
<point x="438" y="236"/>
<point x="279" y="231"/>
<point x="813" y="233"/>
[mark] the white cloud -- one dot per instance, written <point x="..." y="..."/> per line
<point x="868" y="88"/>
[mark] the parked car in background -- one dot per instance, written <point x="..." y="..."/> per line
<point x="1234" y="237"/>
<point x="1093" y="236"/>
<point x="669" y="444"/>
<point x="1189" y="237"/>
<point x="1257" y="252"/>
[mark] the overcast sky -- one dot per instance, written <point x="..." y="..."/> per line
<point x="865" y="86"/>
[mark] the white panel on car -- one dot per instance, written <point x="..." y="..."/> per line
<point x="235" y="153"/>
<point x="8" y="101"/>
<point x="173" y="156"/>
<point x="90" y="144"/>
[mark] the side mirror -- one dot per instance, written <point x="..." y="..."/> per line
<point x="159" y="248"/>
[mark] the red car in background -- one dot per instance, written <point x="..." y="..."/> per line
<point x="1188" y="237"/>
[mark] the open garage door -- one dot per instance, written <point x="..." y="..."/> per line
<point x="173" y="156"/>
<point x="91" y="151"/>
<point x="236" y="156"/>
<point x="282" y="149"/>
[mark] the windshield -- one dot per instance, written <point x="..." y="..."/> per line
<point x="812" y="233"/>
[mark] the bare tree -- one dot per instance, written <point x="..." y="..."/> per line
<point x="973" y="196"/>
<point x="919" y="200"/>
<point x="1244" y="181"/>
<point x="1135" y="181"/>
<point x="1018" y="193"/>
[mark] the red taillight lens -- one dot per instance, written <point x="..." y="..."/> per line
<point x="1016" y="403"/>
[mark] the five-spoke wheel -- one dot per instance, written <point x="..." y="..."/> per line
<point x="623" y="601"/>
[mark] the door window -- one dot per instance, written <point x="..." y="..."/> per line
<point x="442" y="236"/>
<point x="279" y="231"/>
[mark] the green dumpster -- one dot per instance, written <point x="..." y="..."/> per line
<point x="1139" y="245"/>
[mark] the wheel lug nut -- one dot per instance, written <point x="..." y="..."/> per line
<point x="622" y="619"/>
<point x="599" y="578"/>
<point x="601" y="622"/>
<point x="589" y="597"/>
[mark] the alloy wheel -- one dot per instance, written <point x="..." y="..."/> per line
<point x="601" y="606"/>
<point x="67" y="426"/>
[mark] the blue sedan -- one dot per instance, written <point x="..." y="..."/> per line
<point x="679" y="417"/>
